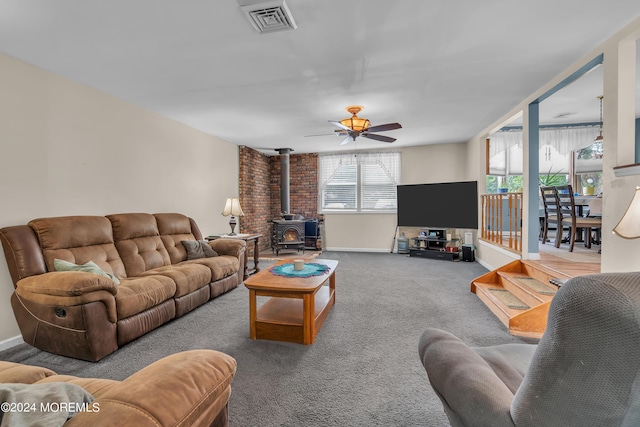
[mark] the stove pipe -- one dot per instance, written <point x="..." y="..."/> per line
<point x="284" y="179"/>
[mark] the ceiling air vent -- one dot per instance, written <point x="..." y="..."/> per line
<point x="268" y="17"/>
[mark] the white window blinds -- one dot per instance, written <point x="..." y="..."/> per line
<point x="364" y="182"/>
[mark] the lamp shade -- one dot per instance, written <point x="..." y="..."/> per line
<point x="232" y="207"/>
<point x="629" y="225"/>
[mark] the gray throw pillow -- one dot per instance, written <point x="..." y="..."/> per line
<point x="198" y="249"/>
<point x="88" y="267"/>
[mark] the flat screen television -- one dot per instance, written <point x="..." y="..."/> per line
<point x="442" y="205"/>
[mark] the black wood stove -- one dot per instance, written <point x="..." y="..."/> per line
<point x="287" y="234"/>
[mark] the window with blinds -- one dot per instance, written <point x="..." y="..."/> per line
<point x="365" y="182"/>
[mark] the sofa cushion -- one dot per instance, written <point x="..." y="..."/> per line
<point x="198" y="249"/>
<point x="174" y="228"/>
<point x="187" y="277"/>
<point x="137" y="294"/>
<point x="87" y="267"/>
<point x="78" y="239"/>
<point x="221" y="266"/>
<point x="138" y="242"/>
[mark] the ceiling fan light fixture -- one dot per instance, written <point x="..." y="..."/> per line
<point x="354" y="122"/>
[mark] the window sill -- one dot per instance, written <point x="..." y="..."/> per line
<point x="627" y="170"/>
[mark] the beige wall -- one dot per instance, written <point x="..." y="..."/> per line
<point x="374" y="232"/>
<point x="359" y="232"/>
<point x="620" y="81"/>
<point x="434" y="163"/>
<point x="67" y="149"/>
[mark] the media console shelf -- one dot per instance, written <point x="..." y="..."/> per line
<point x="434" y="243"/>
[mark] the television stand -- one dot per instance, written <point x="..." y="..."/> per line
<point x="433" y="243"/>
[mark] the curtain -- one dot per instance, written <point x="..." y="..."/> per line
<point x="556" y="145"/>
<point x="564" y="140"/>
<point x="330" y="163"/>
<point x="362" y="181"/>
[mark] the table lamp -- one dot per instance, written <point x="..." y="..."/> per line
<point x="232" y="207"/>
<point x="629" y="225"/>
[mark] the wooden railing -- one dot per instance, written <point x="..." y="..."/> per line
<point x="502" y="220"/>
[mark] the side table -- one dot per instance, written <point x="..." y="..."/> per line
<point x="252" y="237"/>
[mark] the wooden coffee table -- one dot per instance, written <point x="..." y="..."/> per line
<point x="297" y="308"/>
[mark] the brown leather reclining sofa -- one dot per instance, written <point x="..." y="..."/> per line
<point x="88" y="316"/>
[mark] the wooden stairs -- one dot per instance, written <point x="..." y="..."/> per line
<point x="519" y="294"/>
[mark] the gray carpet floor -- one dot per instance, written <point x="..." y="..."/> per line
<point x="363" y="369"/>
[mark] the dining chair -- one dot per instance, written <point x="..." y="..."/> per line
<point x="595" y="211"/>
<point x="550" y="203"/>
<point x="570" y="219"/>
<point x="595" y="207"/>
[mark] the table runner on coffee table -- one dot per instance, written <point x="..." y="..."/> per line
<point x="309" y="270"/>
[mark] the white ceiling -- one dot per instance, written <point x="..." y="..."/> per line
<point x="444" y="69"/>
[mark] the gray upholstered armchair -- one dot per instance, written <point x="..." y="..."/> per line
<point x="585" y="371"/>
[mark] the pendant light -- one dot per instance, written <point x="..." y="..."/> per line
<point x="598" y="145"/>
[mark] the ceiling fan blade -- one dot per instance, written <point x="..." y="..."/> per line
<point x="378" y="137"/>
<point x="320" y="134"/>
<point x="382" y="128"/>
<point x="347" y="140"/>
<point x="340" y="125"/>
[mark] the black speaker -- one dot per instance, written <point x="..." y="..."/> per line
<point x="468" y="253"/>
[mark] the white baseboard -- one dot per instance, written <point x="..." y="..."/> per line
<point x="484" y="264"/>
<point x="387" y="250"/>
<point x="11" y="342"/>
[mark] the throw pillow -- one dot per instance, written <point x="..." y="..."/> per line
<point x="198" y="249"/>
<point x="87" y="267"/>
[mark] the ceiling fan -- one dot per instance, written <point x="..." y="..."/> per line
<point x="354" y="126"/>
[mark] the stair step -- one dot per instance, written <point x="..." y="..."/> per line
<point x="542" y="272"/>
<point x="500" y="301"/>
<point x="534" y="285"/>
<point x="530" y="290"/>
<point x="524" y="312"/>
<point x="508" y="299"/>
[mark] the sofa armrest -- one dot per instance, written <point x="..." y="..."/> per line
<point x="68" y="289"/>
<point x="189" y="388"/>
<point x="472" y="394"/>
<point x="67" y="283"/>
<point x="22" y="252"/>
<point x="233" y="247"/>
